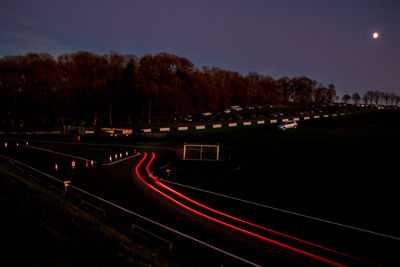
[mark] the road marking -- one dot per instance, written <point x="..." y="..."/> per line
<point x="59" y="153"/>
<point x="141" y="216"/>
<point x="294" y="249"/>
<point x="285" y="211"/>
<point x="105" y="144"/>
<point x="118" y="161"/>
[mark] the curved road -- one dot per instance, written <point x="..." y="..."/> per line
<point x="130" y="184"/>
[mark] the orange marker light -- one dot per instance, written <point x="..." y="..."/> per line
<point x="73" y="164"/>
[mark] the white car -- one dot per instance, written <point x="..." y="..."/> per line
<point x="287" y="125"/>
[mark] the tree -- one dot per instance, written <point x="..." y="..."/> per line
<point x="355" y="97"/>
<point x="346" y="98"/>
<point x="386" y="96"/>
<point x="331" y="93"/>
<point x="392" y="98"/>
<point x="369" y="96"/>
<point x="284" y="85"/>
<point x="377" y="95"/>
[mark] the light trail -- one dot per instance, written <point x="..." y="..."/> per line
<point x="316" y="257"/>
<point x="243" y="221"/>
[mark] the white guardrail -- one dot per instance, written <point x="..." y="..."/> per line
<point x="244" y="123"/>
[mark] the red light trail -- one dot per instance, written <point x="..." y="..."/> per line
<point x="241" y="220"/>
<point x="157" y="182"/>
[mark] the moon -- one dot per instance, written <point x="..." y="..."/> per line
<point x="375" y="35"/>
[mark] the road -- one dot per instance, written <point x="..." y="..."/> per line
<point x="222" y="238"/>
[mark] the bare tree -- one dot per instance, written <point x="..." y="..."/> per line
<point x="345" y="98"/>
<point x="355" y="97"/>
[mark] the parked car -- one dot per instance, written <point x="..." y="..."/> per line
<point x="288" y="125"/>
<point x="188" y="118"/>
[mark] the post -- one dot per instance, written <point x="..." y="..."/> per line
<point x="217" y="151"/>
<point x="184" y="151"/>
<point x="66" y="183"/>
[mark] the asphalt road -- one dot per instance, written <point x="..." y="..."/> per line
<point x="136" y="191"/>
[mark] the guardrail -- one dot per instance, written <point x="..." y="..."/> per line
<point x="232" y="124"/>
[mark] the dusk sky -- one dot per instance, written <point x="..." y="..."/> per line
<point x="326" y="40"/>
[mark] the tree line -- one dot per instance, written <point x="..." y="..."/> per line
<point x="38" y="90"/>
<point x="373" y="98"/>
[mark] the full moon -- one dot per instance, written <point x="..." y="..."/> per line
<point x="375" y="35"/>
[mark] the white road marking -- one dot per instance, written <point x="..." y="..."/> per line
<point x="118" y="161"/>
<point x="59" y="153"/>
<point x="285" y="211"/>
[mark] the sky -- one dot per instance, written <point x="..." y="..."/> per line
<point x="326" y="40"/>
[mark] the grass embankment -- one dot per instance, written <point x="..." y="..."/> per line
<point x="340" y="168"/>
<point x="40" y="227"/>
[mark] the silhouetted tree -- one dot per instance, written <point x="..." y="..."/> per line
<point x="355" y="97"/>
<point x="345" y="98"/>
